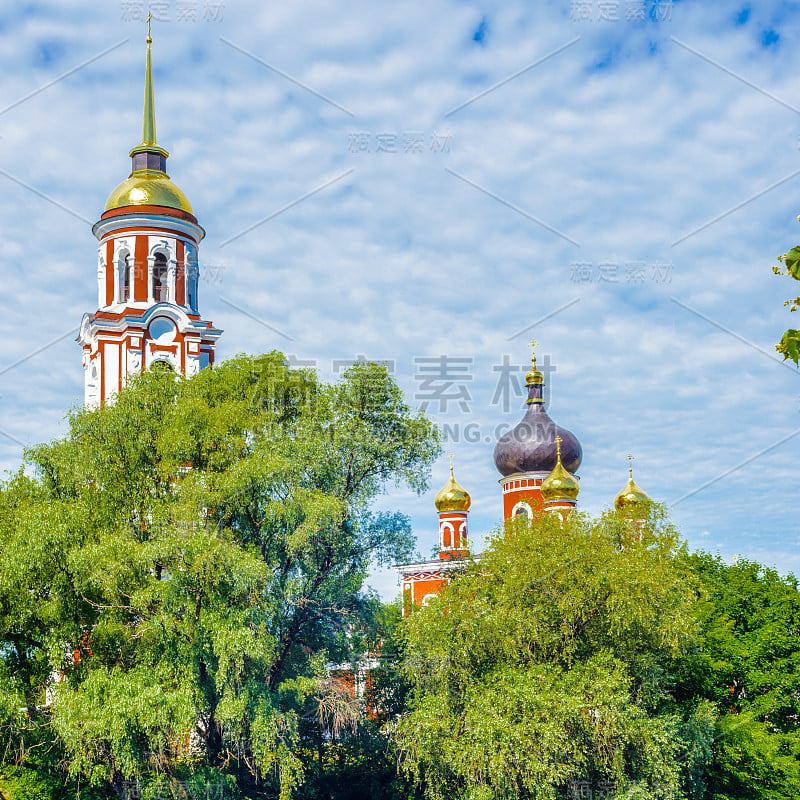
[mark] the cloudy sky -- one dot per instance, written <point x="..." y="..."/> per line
<point x="431" y="184"/>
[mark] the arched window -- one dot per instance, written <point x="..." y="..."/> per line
<point x="160" y="294"/>
<point x="522" y="509"/>
<point x="428" y="597"/>
<point x="447" y="536"/>
<point x="160" y="365"/>
<point x="125" y="279"/>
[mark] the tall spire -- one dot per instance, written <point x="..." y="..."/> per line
<point x="148" y="155"/>
<point x="149" y="123"/>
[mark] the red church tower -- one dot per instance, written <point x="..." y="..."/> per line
<point x="424" y="580"/>
<point x="147" y="274"/>
<point x="452" y="502"/>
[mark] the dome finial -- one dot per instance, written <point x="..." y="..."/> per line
<point x="535" y="376"/>
<point x="630" y="466"/>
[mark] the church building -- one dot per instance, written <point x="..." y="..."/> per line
<point x="538" y="463"/>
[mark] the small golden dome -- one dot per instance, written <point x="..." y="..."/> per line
<point x="452" y="497"/>
<point x="148" y="187"/>
<point x="560" y="484"/>
<point x="535" y="376"/>
<point x="631" y="497"/>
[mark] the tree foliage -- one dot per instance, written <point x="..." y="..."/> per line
<point x="789" y="265"/>
<point x="746" y="660"/>
<point x="185" y="561"/>
<point x="541" y="668"/>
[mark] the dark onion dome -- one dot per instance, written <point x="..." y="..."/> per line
<point x="531" y="445"/>
<point x="631" y="497"/>
<point x="559" y="484"/>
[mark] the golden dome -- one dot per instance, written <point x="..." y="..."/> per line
<point x="452" y="497"/>
<point x="148" y="187"/>
<point x="631" y="497"/>
<point x="535" y="376"/>
<point x="559" y="484"/>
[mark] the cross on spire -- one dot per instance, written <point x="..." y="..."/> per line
<point x="630" y="465"/>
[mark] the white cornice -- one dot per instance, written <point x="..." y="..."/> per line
<point x="148" y="222"/>
<point x="436" y="565"/>
<point x="92" y="327"/>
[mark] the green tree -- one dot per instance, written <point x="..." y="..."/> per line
<point x="746" y="660"/>
<point x="190" y="557"/>
<point x="541" y="667"/>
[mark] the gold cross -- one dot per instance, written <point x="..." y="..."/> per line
<point x="630" y="465"/>
<point x="533" y="351"/>
<point x="149" y="17"/>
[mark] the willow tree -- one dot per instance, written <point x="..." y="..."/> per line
<point x="187" y="559"/>
<point x="539" y="672"/>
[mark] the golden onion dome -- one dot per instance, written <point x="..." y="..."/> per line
<point x="534" y="376"/>
<point x="452" y="497"/>
<point x="560" y="484"/>
<point x="148" y="187"/>
<point x="631" y="497"/>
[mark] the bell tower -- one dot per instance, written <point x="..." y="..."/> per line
<point x="147" y="275"/>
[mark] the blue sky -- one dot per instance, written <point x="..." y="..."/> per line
<point x="417" y="180"/>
